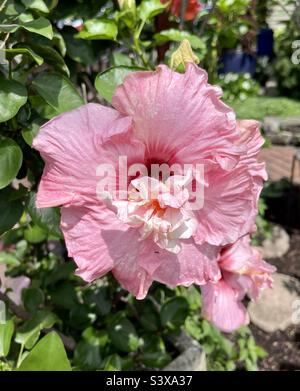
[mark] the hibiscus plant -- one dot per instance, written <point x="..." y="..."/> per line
<point x="103" y="260"/>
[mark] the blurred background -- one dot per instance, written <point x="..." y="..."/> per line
<point x="51" y="56"/>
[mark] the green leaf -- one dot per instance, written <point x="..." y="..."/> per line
<point x="98" y="29"/>
<point x="10" y="209"/>
<point x="179" y="36"/>
<point x="64" y="295"/>
<point x="174" y="312"/>
<point x="150" y="8"/>
<point x="58" y="92"/>
<point x="40" y="26"/>
<point x="29" y="333"/>
<point x="51" y="57"/>
<point x="32" y="298"/>
<point x="107" y="81"/>
<point x="123" y="335"/>
<point x="13" y="95"/>
<point x="48" y="355"/>
<point x="46" y="218"/>
<point x="95" y="337"/>
<point x="87" y="356"/>
<point x="79" y="50"/>
<point x="80" y="317"/>
<point x="149" y="316"/>
<point x="99" y="300"/>
<point x="10" y="161"/>
<point x="36" y="5"/>
<point x="6" y="333"/>
<point x="26" y="51"/>
<point x="113" y="363"/>
<point x="42" y="108"/>
<point x="31" y="131"/>
<point x="154" y="353"/>
<point x="35" y="234"/>
<point x="121" y="59"/>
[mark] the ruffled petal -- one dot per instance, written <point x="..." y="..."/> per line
<point x="228" y="205"/>
<point x="71" y="146"/>
<point x="194" y="264"/>
<point x="179" y="117"/>
<point x="83" y="229"/>
<point x="222" y="307"/>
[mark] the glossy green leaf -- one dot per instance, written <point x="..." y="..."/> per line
<point x="36" y="5"/>
<point x="121" y="59"/>
<point x="107" y="81"/>
<point x="25" y="51"/>
<point x="123" y="335"/>
<point x="10" y="209"/>
<point x="154" y="352"/>
<point x="48" y="355"/>
<point x="10" y="160"/>
<point x="29" y="333"/>
<point x="51" y="57"/>
<point x="150" y="8"/>
<point x="6" y="333"/>
<point x="87" y="356"/>
<point x="40" y="26"/>
<point x="32" y="299"/>
<point x="99" y="29"/>
<point x="149" y="316"/>
<point x="79" y="50"/>
<point x="31" y="131"/>
<point x="174" y="312"/>
<point x="58" y="92"/>
<point x="46" y="218"/>
<point x="113" y="363"/>
<point x="179" y="36"/>
<point x="13" y="95"/>
<point x="43" y="109"/>
<point x="35" y="234"/>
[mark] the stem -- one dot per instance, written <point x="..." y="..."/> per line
<point x="4" y="41"/>
<point x="10" y="69"/>
<point x="183" y="7"/>
<point x="136" y="44"/>
<point x="3" y="5"/>
<point x="204" y="23"/>
<point x="20" y="355"/>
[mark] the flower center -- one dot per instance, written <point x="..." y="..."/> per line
<point x="158" y="210"/>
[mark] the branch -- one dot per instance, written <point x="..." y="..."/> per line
<point x="68" y="342"/>
<point x="204" y="23"/>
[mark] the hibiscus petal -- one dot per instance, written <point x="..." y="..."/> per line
<point x="222" y="307"/>
<point x="228" y="205"/>
<point x="194" y="264"/>
<point x="179" y="116"/>
<point x="71" y="146"/>
<point x="83" y="229"/>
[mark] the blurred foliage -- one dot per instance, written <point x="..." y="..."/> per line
<point x="238" y="86"/>
<point x="277" y="107"/>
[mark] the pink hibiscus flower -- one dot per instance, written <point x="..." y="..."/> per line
<point x="152" y="233"/>
<point x="243" y="273"/>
